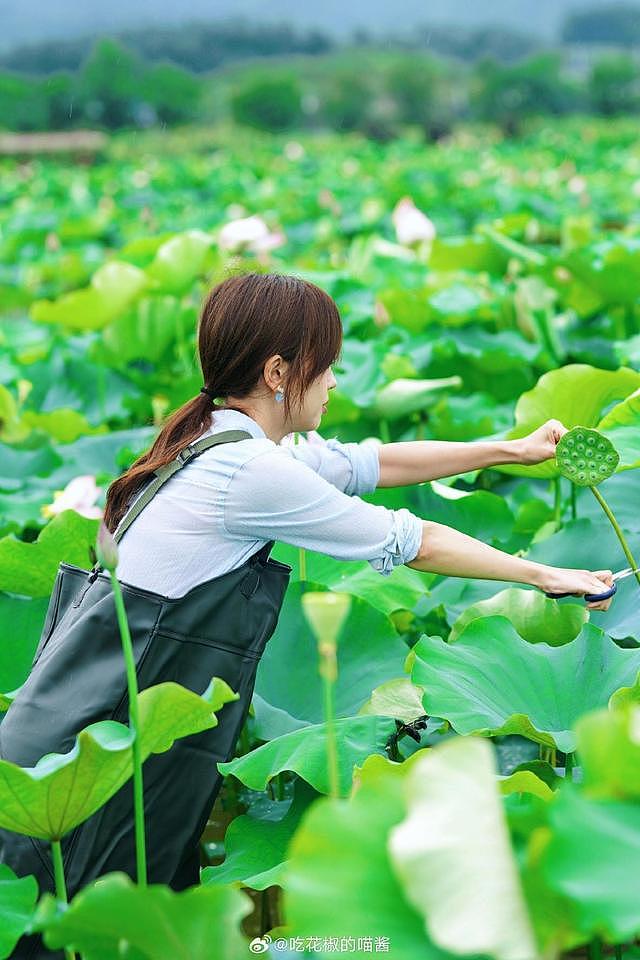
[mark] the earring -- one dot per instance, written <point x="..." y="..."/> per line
<point x="279" y="396"/>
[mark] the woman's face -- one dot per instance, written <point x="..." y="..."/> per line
<point x="315" y="401"/>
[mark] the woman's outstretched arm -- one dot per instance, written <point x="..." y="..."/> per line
<point x="415" y="461"/>
<point x="452" y="553"/>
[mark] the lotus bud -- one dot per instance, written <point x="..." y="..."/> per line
<point x="106" y="548"/>
<point x="326" y="613"/>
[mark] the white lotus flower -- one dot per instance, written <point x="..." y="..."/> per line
<point x="411" y="225"/>
<point x="80" y="494"/>
<point x="249" y="233"/>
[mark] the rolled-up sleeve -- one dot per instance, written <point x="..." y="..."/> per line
<point x="353" y="468"/>
<point x="273" y="496"/>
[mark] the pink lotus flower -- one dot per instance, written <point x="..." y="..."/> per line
<point x="80" y="495"/>
<point x="411" y="225"/>
<point x="249" y="233"/>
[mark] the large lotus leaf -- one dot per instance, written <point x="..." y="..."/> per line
<point x="524" y="781"/>
<point x="12" y="429"/>
<point x="498" y="363"/>
<point x="305" y="752"/>
<point x="468" y="418"/>
<point x="63" y="789"/>
<point x="622" y="427"/>
<point x="113" y="287"/>
<point x="586" y="457"/>
<point x="77" y="378"/>
<point x="536" y="618"/>
<point x="339" y="881"/>
<point x="359" y="373"/>
<point x="592" y="859"/>
<point x="621" y="492"/>
<point x="114" y="917"/>
<point x="610" y="267"/>
<point x="478" y="513"/>
<point x="64" y="425"/>
<point x="455" y="830"/>
<point x="21" y="622"/>
<point x="466" y="253"/>
<point x="398" y="591"/>
<point x="402" y="396"/>
<point x="256" y="848"/>
<point x="572" y="546"/>
<point x="30" y="569"/>
<point x="18" y="896"/>
<point x="492" y="682"/>
<point x="180" y="260"/>
<point x="147" y="330"/>
<point x="575" y="394"/>
<point x="609" y="752"/>
<point x="369" y="652"/>
<point x="397" y="698"/>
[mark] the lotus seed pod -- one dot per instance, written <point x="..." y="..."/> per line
<point x="586" y="456"/>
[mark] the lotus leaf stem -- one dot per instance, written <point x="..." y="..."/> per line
<point x="620" y="535"/>
<point x="61" y="886"/>
<point x="134" y="722"/>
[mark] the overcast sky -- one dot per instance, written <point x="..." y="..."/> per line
<point x="32" y="20"/>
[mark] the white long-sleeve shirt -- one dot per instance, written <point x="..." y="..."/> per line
<point x="219" y="509"/>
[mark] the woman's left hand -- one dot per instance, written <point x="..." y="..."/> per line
<point x="541" y="444"/>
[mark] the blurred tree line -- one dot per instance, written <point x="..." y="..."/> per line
<point x="300" y="82"/>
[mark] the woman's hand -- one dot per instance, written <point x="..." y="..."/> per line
<point x="541" y="444"/>
<point x="567" y="580"/>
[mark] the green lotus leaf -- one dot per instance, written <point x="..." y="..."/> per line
<point x="402" y="397"/>
<point x="179" y="260"/>
<point x="369" y="651"/>
<point x="455" y="830"/>
<point x="64" y="789"/>
<point x="113" y="287"/>
<point x="596" y="876"/>
<point x="305" y="752"/>
<point x="586" y="456"/>
<point x="339" y="881"/>
<point x="398" y="698"/>
<point x="18" y="896"/>
<point x="575" y="394"/>
<point x="30" y="568"/>
<point x="491" y="681"/>
<point x="21" y="622"/>
<point x="536" y="618"/>
<point x="609" y="751"/>
<point x="622" y="427"/>
<point x="525" y="781"/>
<point x="256" y="848"/>
<point x="115" y="915"/>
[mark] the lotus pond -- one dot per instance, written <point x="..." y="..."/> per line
<point x="446" y="767"/>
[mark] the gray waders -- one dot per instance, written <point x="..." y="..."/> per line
<point x="218" y="628"/>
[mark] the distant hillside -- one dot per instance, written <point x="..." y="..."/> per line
<point x="34" y="20"/>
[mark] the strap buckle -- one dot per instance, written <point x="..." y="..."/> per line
<point x="184" y="456"/>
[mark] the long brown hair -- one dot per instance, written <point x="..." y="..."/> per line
<point x="244" y="320"/>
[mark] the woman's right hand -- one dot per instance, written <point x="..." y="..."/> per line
<point x="568" y="580"/>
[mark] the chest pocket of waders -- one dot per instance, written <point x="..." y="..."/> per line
<point x="218" y="628"/>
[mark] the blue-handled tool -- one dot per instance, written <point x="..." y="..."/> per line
<point x="594" y="597"/>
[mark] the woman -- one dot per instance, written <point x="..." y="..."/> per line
<point x="266" y="344"/>
<point x="202" y="595"/>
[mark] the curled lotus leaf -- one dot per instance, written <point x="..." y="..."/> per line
<point x="586" y="457"/>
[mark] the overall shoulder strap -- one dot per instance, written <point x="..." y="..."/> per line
<point x="162" y="474"/>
